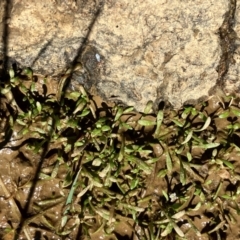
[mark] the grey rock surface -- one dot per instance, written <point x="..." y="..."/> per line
<point x="231" y="83"/>
<point x="130" y="51"/>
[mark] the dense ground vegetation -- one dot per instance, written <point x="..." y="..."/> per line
<point x="72" y="169"/>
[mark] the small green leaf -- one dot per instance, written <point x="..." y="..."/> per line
<point x="230" y="126"/>
<point x="39" y="107"/>
<point x="96" y="132"/>
<point x="15" y="81"/>
<point x="167" y="230"/>
<point x="38" y="130"/>
<point x="84" y="113"/>
<point x="159" y="123"/>
<point x="235" y="111"/>
<point x="33" y="87"/>
<point x="83" y="91"/>
<point x="179" y="150"/>
<point x="127" y="110"/>
<point x="182" y="174"/>
<point x="73" y="95"/>
<point x="208" y="145"/>
<point x="193" y="227"/>
<point x="61" y="86"/>
<point x="106" y="128"/>
<point x="162" y="173"/>
<point x="179" y="214"/>
<point x="214" y="153"/>
<point x="227" y="163"/>
<point x="11" y="73"/>
<point x="224" y="114"/>
<point x="125" y="126"/>
<point x="25" y="131"/>
<point x="205" y="126"/>
<point x="208" y="182"/>
<point x="19" y="121"/>
<point x="165" y="195"/>
<point x="47" y="223"/>
<point x="218" y="190"/>
<point x="194" y="112"/>
<point x="64" y="220"/>
<point x="68" y="180"/>
<point x="51" y="100"/>
<point x="122" y="152"/>
<point x="134" y="183"/>
<point x="6" y="90"/>
<point x="80" y="105"/>
<point x="149" y="107"/>
<point x="178" y="230"/>
<point x="189" y="136"/>
<point x="134" y="208"/>
<point x="139" y="164"/>
<point x="152" y="160"/>
<point x="118" y="114"/>
<point x="196" y="208"/>
<point x="55" y="170"/>
<point x="144" y="167"/>
<point x="97" y="162"/>
<point x="28" y="72"/>
<point x="145" y="122"/>
<point x="94" y="179"/>
<point x="236" y="126"/>
<point x="104" y="172"/>
<point x="178" y="123"/>
<point x="189" y="156"/>
<point x="219" y="226"/>
<point x="227" y="197"/>
<point x="168" y="162"/>
<point x="186" y="112"/>
<point x="84" y="191"/>
<point x="73" y="188"/>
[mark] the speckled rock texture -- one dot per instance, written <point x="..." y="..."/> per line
<point x="129" y="51"/>
<point x="231" y="83"/>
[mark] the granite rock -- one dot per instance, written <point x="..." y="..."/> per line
<point x="130" y="51"/>
<point x="231" y="84"/>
